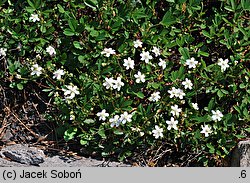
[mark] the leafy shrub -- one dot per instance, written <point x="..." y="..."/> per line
<point x="128" y="76"/>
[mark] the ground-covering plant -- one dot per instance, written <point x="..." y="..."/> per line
<point x="129" y="76"/>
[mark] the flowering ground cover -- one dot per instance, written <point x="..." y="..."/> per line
<point x="152" y="82"/>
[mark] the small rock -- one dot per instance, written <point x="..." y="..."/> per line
<point x="24" y="154"/>
<point x="241" y="155"/>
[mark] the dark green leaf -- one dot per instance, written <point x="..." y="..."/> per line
<point x="68" y="32"/>
<point x="72" y="24"/>
<point x="77" y="45"/>
<point x="211" y="104"/>
<point x="61" y="10"/>
<point x="139" y="94"/>
<point x="211" y="148"/>
<point x="168" y="19"/>
<point x="202" y="119"/>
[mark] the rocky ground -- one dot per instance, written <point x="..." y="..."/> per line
<point x="22" y="122"/>
<point x="24" y="156"/>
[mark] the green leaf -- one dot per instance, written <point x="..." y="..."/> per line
<point x="126" y="103"/>
<point x="68" y="32"/>
<point x="233" y="5"/>
<point x="72" y="24"/>
<point x="38" y="4"/>
<point x="154" y="85"/>
<point x="242" y="85"/>
<point x="206" y="34"/>
<point x="139" y="14"/>
<point x="77" y="45"/>
<point x="181" y="72"/>
<point x="2" y="2"/>
<point x="61" y="10"/>
<point x="247" y="129"/>
<point x="70" y="133"/>
<point x="101" y="132"/>
<point x="174" y="76"/>
<point x="31" y="3"/>
<point x="211" y="148"/>
<point x="220" y="94"/>
<point x="139" y="94"/>
<point x="225" y="150"/>
<point x="168" y="19"/>
<point x="202" y="119"/>
<point x="184" y="52"/>
<point x="171" y="1"/>
<point x="19" y="86"/>
<point x="224" y="91"/>
<point x="89" y="121"/>
<point x="91" y="3"/>
<point x="205" y="54"/>
<point x="118" y="132"/>
<point x="50" y="30"/>
<point x="245" y="4"/>
<point x="211" y="104"/>
<point x="240" y="136"/>
<point x="237" y="108"/>
<point x="83" y="142"/>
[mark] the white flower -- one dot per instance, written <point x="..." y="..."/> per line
<point x="129" y="63"/>
<point x="176" y="93"/>
<point x="108" y="51"/>
<point x="217" y="115"/>
<point x="70" y="92"/>
<point x="36" y="70"/>
<point x="172" y="92"/>
<point x="156" y="51"/>
<point x="50" y="50"/>
<point x="34" y="18"/>
<point x="115" y="121"/>
<point x="126" y="117"/>
<point x="3" y="52"/>
<point x="195" y="106"/>
<point x="223" y="64"/>
<point x="157" y="132"/>
<point x="172" y="124"/>
<point x="109" y="83"/>
<point x="187" y="84"/>
<point x="118" y="83"/>
<point x="58" y="74"/>
<point x="137" y="43"/>
<point x="139" y="77"/>
<point x="175" y="110"/>
<point x="191" y="63"/>
<point x="145" y="56"/>
<point x="180" y="93"/>
<point x="162" y="63"/>
<point x="102" y="115"/>
<point x="154" y="97"/>
<point x="206" y="130"/>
